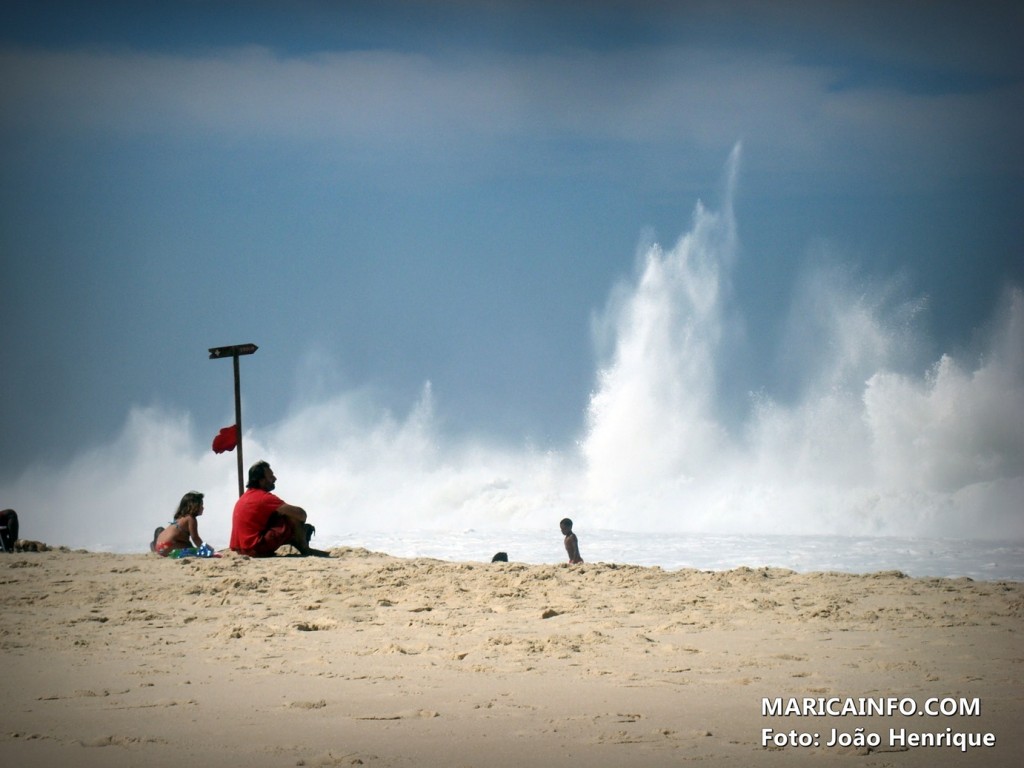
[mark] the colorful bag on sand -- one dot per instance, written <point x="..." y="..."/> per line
<point x="205" y="550"/>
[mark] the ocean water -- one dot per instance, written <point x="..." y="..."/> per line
<point x="917" y="557"/>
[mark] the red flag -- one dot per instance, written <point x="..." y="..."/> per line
<point x="226" y="439"/>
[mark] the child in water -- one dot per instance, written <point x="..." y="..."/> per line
<point x="181" y="536"/>
<point x="572" y="546"/>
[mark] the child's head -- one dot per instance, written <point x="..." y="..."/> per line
<point x="191" y="504"/>
<point x="566" y="526"/>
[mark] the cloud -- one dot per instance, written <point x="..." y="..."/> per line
<point x="419" y="104"/>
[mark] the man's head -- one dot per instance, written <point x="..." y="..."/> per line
<point x="566" y="526"/>
<point x="261" y="476"/>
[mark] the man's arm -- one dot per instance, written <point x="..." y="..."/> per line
<point x="297" y="514"/>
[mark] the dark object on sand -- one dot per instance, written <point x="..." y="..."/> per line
<point x="157" y="532"/>
<point x="8" y="530"/>
<point x="501" y="557"/>
<point x="27" y="545"/>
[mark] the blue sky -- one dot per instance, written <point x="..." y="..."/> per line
<point x="385" y="194"/>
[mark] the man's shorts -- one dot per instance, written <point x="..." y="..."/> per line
<point x="280" y="530"/>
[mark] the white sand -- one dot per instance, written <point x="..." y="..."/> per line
<point x="130" y="660"/>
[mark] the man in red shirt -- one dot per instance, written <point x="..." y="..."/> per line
<point x="262" y="522"/>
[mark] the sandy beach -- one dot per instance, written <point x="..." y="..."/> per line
<point x="367" y="659"/>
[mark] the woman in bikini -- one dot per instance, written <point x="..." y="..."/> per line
<point x="183" y="532"/>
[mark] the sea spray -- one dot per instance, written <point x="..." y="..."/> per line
<point x="651" y="422"/>
<point x="861" y="446"/>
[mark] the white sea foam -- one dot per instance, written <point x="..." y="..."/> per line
<point x="861" y="445"/>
